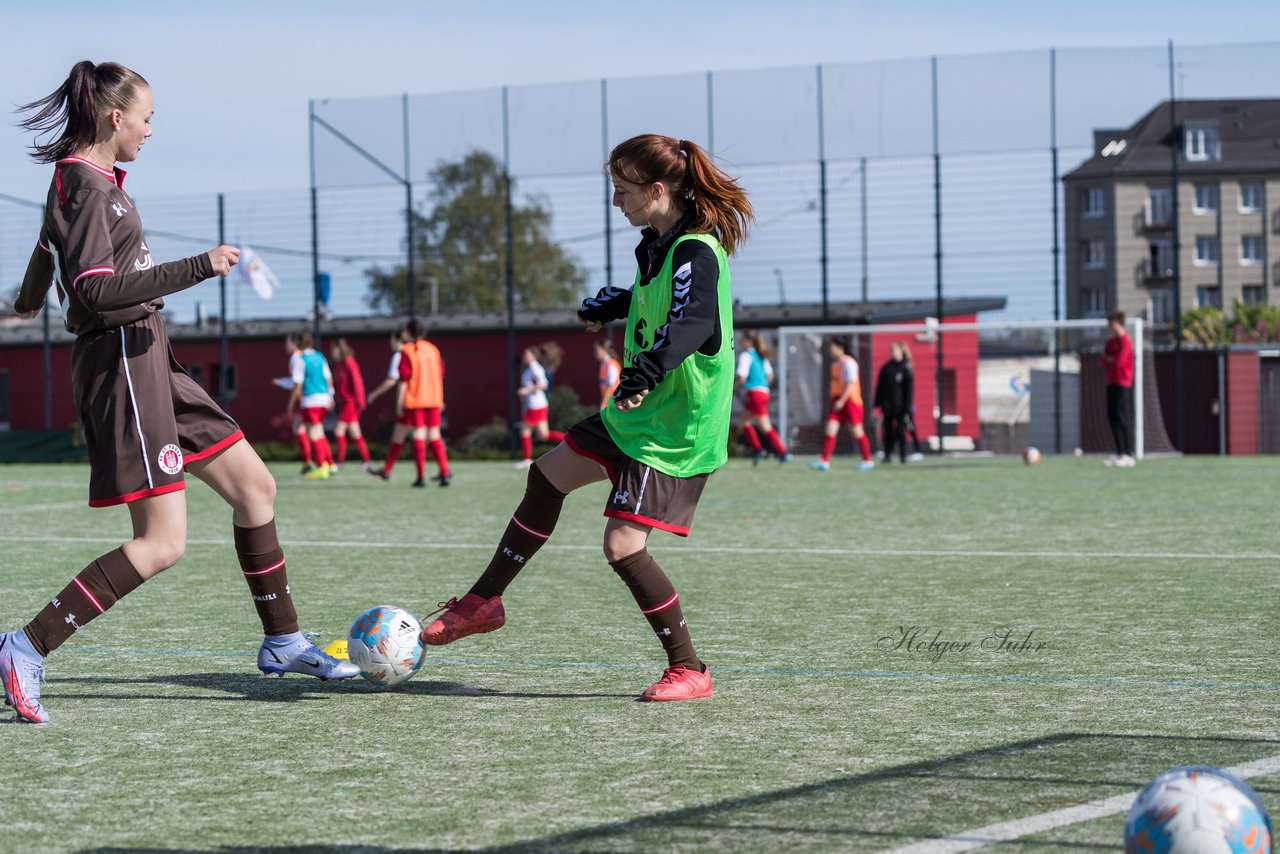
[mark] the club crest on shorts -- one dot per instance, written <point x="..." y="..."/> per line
<point x="170" y="459"/>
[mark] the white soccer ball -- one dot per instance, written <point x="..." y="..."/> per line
<point x="1031" y="456"/>
<point x="1197" y="809"/>
<point x="385" y="643"/>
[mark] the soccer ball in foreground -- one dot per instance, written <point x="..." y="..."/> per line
<point x="384" y="643"/>
<point x="1197" y="809"/>
<point x="1031" y="456"/>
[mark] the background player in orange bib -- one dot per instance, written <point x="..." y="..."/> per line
<point x="419" y="404"/>
<point x="610" y="370"/>
<point x="846" y="407"/>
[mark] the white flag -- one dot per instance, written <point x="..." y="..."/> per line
<point x="256" y="273"/>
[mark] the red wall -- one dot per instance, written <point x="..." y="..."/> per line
<point x="959" y="359"/>
<point x="475" y="383"/>
<point x="1242" y="402"/>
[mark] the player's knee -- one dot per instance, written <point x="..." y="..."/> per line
<point x="159" y="553"/>
<point x="619" y="544"/>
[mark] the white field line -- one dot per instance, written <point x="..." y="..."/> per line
<point x="1007" y="831"/>
<point x="40" y="508"/>
<point x="833" y="552"/>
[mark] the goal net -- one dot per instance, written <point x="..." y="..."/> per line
<point x="999" y="387"/>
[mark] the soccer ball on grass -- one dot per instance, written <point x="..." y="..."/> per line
<point x="1197" y="808"/>
<point x="1031" y="456"/>
<point x="384" y="642"/>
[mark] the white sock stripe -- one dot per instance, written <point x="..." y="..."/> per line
<point x="675" y="597"/>
<point x="270" y="569"/>
<point x="522" y="526"/>
<point x="93" y="600"/>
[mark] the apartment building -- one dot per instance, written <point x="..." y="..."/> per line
<point x="1119" y="212"/>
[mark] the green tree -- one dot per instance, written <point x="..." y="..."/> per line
<point x="461" y="245"/>
<point x="1204" y="327"/>
<point x="1256" y="323"/>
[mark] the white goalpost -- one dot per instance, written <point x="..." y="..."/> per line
<point x="990" y="371"/>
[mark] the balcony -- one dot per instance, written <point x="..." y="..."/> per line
<point x="1152" y="272"/>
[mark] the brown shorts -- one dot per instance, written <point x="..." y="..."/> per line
<point x="144" y="418"/>
<point x="640" y="493"/>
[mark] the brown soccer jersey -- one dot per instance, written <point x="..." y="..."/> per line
<point x="93" y="248"/>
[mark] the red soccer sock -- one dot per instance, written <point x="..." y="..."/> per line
<point x="775" y="442"/>
<point x="304" y="442"/>
<point x="323" y="455"/>
<point x="420" y="457"/>
<point x="555" y="436"/>
<point x="441" y="457"/>
<point x="828" y="448"/>
<point x="342" y="449"/>
<point x="753" y="438"/>
<point x="526" y="446"/>
<point x="393" y="454"/>
<point x="865" y="445"/>
<point x="363" y="449"/>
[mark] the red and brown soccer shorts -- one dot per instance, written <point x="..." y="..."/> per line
<point x="418" y="418"/>
<point x="144" y="418"/>
<point x="640" y="492"/>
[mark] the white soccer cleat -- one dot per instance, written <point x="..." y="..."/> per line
<point x="22" y="670"/>
<point x="297" y="654"/>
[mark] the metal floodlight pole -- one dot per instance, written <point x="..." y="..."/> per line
<point x="937" y="250"/>
<point x="608" y="182"/>
<point x="411" y="284"/>
<point x="1177" y="257"/>
<point x="824" y="261"/>
<point x="509" y="273"/>
<point x="1057" y="253"/>
<point x="862" y="201"/>
<point x="224" y="399"/>
<point x="315" y="224"/>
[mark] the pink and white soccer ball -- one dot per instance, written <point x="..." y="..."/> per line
<point x="1197" y="809"/>
<point x="1031" y="456"/>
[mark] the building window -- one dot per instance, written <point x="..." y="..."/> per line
<point x="1092" y="203"/>
<point x="1093" y="254"/>
<point x="1251" y="250"/>
<point x="1206" y="251"/>
<point x="1093" y="302"/>
<point x="1202" y="142"/>
<point x="1162" y="305"/>
<point x="1250" y="198"/>
<point x="1209" y="296"/>
<point x="1161" y="259"/>
<point x="1159" y="207"/>
<point x="1206" y="199"/>
<point x="1254" y="293"/>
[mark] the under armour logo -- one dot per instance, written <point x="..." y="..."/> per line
<point x="621" y="496"/>
<point x="287" y="591"/>
<point x="118" y="208"/>
<point x="665" y="632"/>
<point x="71" y="621"/>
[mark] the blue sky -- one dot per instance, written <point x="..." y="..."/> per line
<point x="232" y="79"/>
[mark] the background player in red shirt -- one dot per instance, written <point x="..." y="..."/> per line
<point x="348" y="385"/>
<point x="145" y="420"/>
<point x="1117" y="359"/>
<point x="846" y="407"/>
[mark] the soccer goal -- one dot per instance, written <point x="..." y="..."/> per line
<point x="997" y="386"/>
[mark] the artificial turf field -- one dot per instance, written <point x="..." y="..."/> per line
<point x="1152" y="596"/>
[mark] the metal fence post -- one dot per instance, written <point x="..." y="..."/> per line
<point x="509" y="273"/>
<point x="224" y="399"/>
<point x="937" y="250"/>
<point x="1057" y="253"/>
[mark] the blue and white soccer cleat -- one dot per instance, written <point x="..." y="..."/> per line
<point x="866" y="465"/>
<point x="281" y="654"/>
<point x="820" y="465"/>
<point x="22" y="669"/>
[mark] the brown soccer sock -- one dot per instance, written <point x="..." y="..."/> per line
<point x="529" y="528"/>
<point x="98" y="586"/>
<point x="658" y="601"/>
<point x="262" y="563"/>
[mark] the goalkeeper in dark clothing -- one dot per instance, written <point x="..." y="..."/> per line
<point x="895" y="393"/>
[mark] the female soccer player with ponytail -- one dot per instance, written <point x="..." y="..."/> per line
<point x="668" y="427"/>
<point x="145" y="421"/>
